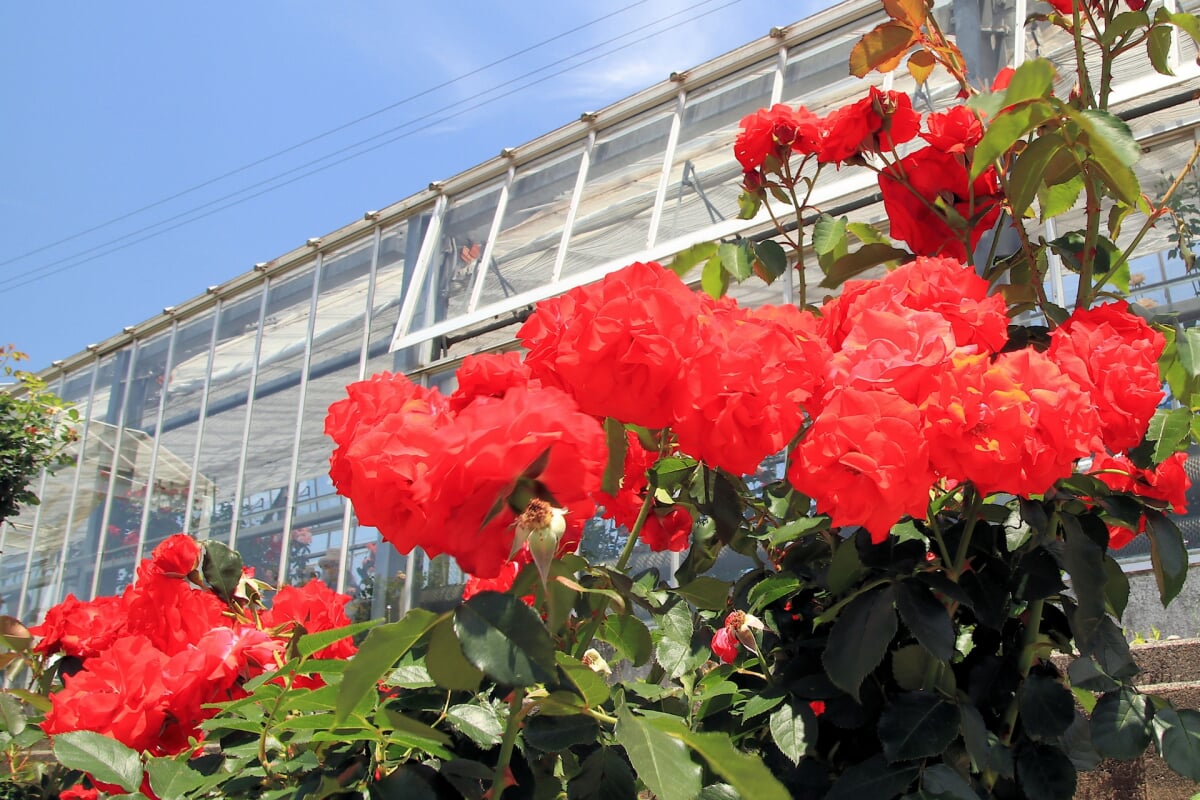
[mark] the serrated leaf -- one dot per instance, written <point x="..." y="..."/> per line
<point x="1084" y="561"/>
<point x="661" y="761"/>
<point x="479" y="723"/>
<point x="866" y="233"/>
<point x="760" y="703"/>
<point x="614" y="468"/>
<point x="920" y="65"/>
<point x="1121" y="724"/>
<point x="312" y="642"/>
<point x="1169" y="430"/>
<point x="221" y="568"/>
<point x="1028" y="173"/>
<point x="590" y="684"/>
<point x="1168" y="555"/>
<point x="773" y="259"/>
<point x="745" y="772"/>
<point x="12" y="716"/>
<point x="714" y="280"/>
<point x="873" y="778"/>
<point x="881" y="48"/>
<point x="794" y="730"/>
<point x="829" y="239"/>
<point x="629" y="636"/>
<point x="1033" y="80"/>
<point x="1047" y="707"/>
<point x="603" y="775"/>
<point x="859" y="639"/>
<point x="1158" y="48"/>
<point x="1179" y="739"/>
<point x="866" y="257"/>
<point x="505" y="639"/>
<point x="174" y="780"/>
<point x="1007" y="128"/>
<point x="1060" y="198"/>
<point x="942" y="781"/>
<point x="916" y="725"/>
<point x="100" y="756"/>
<point x="683" y="262"/>
<point x="706" y="593"/>
<point x="767" y="591"/>
<point x="736" y="259"/>
<point x="382" y="648"/>
<point x="447" y="665"/>
<point x="844" y="568"/>
<point x="926" y="618"/>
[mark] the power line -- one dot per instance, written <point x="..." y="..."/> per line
<point x="317" y="137"/>
<point x="119" y="243"/>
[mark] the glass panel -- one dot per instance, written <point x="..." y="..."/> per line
<point x="131" y="470"/>
<point x="706" y="179"/>
<point x="817" y="76"/>
<point x="618" y="197"/>
<point x="437" y="582"/>
<point x="398" y="248"/>
<point x="530" y="235"/>
<point x="375" y="576"/>
<point x="456" y="258"/>
<point x="225" y="415"/>
<point x="316" y="537"/>
<point x="273" y="423"/>
<point x="178" y="436"/>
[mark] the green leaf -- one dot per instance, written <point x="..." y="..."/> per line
<point x="505" y="638"/>
<point x="1121" y="724"/>
<point x="604" y="775"/>
<point x="916" y="725"/>
<point x="866" y="233"/>
<point x="760" y="703"/>
<point x="1158" y="48"/>
<point x="927" y="618"/>
<point x="447" y="665"/>
<point x="714" y="280"/>
<point x="1033" y="80"/>
<point x="1116" y="587"/>
<point x="1189" y="23"/>
<point x="829" y="240"/>
<point x="769" y="253"/>
<point x="557" y="733"/>
<point x="866" y="257"/>
<point x="767" y="591"/>
<point x="1113" y="151"/>
<point x="1028" y="173"/>
<point x="844" y="568"/>
<point x="736" y="259"/>
<point x="382" y="648"/>
<point x="1084" y="561"/>
<point x="1179" y="740"/>
<point x="1045" y="773"/>
<point x="661" y="761"/>
<point x="748" y="205"/>
<point x="12" y="717"/>
<point x="1047" y="707"/>
<point x="591" y="685"/>
<point x="1007" y="128"/>
<point x="746" y="773"/>
<point x="794" y="730"/>
<point x="221" y="568"/>
<point x="629" y="636"/>
<point x="683" y="262"/>
<point x="1169" y="430"/>
<point x="1122" y="25"/>
<point x="942" y="781"/>
<point x="873" y="779"/>
<point x="312" y="642"/>
<point x="1060" y="197"/>
<point x="1168" y="555"/>
<point x="478" y="722"/>
<point x="859" y="639"/>
<point x="174" y="780"/>
<point x="103" y="758"/>
<point x="614" y="468"/>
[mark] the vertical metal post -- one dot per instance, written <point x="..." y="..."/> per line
<point x="585" y="162"/>
<point x="489" y="247"/>
<point x="158" y="421"/>
<point x="424" y="257"/>
<point x="218" y="310"/>
<point x="664" y="179"/>
<point x="235" y="517"/>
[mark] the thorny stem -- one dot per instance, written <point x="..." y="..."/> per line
<point x="516" y="714"/>
<point x="1153" y="218"/>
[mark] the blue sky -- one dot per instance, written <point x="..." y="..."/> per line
<point x="112" y="107"/>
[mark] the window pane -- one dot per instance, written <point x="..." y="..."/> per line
<point x="398" y="248"/>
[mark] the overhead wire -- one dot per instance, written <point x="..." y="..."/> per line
<point x="119" y="243"/>
<point x="317" y="137"/>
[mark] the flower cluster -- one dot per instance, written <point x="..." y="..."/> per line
<point x="149" y="662"/>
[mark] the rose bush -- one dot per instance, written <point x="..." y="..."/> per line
<point x="911" y="472"/>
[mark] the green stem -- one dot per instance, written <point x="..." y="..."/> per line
<point x="511" y="728"/>
<point x="971" y="507"/>
<point x="635" y="531"/>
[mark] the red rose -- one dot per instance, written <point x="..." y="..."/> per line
<point x="488" y="375"/>
<point x="1015" y="425"/>
<point x="913" y="186"/>
<point x="79" y="792"/>
<point x="81" y="629"/>
<point x="1113" y="355"/>
<point x="314" y="607"/>
<point x="175" y="557"/>
<point x="748" y="384"/>
<point x="956" y="130"/>
<point x="776" y="132"/>
<point x="666" y="530"/>
<point x="865" y="461"/>
<point x="171" y="613"/>
<point x="620" y="346"/>
<point x="879" y="122"/>
<point x="725" y="645"/>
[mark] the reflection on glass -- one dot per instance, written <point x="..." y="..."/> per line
<point x="225" y="413"/>
<point x="375" y="576"/>
<point x="177" y="436"/>
<point x="273" y="417"/>
<point x="705" y="179"/>
<point x="130" y="476"/>
<point x="618" y="196"/>
<point x="317" y="511"/>
<point x="457" y="257"/>
<point x="816" y="76"/>
<point x="531" y="231"/>
<point x="398" y="248"/>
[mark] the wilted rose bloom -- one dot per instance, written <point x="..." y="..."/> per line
<point x="1113" y="355"/>
<point x="1014" y="425"/>
<point x="865" y="461"/>
<point x="725" y="645"/>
